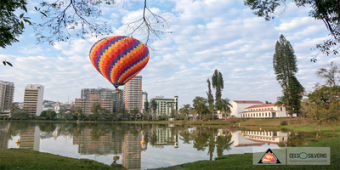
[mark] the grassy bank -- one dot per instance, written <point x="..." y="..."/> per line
<point x="30" y="159"/>
<point x="245" y="161"/>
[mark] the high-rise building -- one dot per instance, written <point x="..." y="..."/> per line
<point x="133" y="94"/>
<point x="144" y="99"/>
<point x="33" y="99"/>
<point x="105" y="93"/>
<point x="166" y="106"/>
<point x="6" y="95"/>
<point x="86" y="104"/>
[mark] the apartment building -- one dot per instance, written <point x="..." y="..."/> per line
<point x="86" y="104"/>
<point x="33" y="99"/>
<point x="166" y="106"/>
<point x="6" y="95"/>
<point x="105" y="93"/>
<point x="133" y="94"/>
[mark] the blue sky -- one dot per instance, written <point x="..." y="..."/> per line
<point x="206" y="35"/>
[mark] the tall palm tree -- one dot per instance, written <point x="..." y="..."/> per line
<point x="200" y="103"/>
<point x="218" y="84"/>
<point x="331" y="73"/>
<point x="185" y="110"/>
<point x="224" y="105"/>
<point x="210" y="100"/>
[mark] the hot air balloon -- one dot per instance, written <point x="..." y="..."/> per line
<point x="119" y="58"/>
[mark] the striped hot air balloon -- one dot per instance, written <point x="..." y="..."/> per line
<point x="119" y="58"/>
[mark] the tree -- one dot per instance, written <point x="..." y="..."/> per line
<point x="62" y="20"/>
<point x="268" y="102"/>
<point x="284" y="63"/>
<point x="324" y="105"/>
<point x="218" y="84"/>
<point x="154" y="106"/>
<point x="185" y="110"/>
<point x="210" y="100"/>
<point x="12" y="23"/>
<point x="199" y="103"/>
<point x="19" y="113"/>
<point x="135" y="112"/>
<point x="123" y="111"/>
<point x="326" y="10"/>
<point x="13" y="108"/>
<point x="96" y="110"/>
<point x="48" y="114"/>
<point x="146" y="107"/>
<point x="331" y="73"/>
<point x="224" y="105"/>
<point x="79" y="113"/>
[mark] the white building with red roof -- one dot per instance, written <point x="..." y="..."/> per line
<point x="264" y="111"/>
<point x="240" y="105"/>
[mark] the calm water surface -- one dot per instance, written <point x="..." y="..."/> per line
<point x="140" y="146"/>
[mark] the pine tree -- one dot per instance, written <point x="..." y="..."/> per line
<point x="284" y="62"/>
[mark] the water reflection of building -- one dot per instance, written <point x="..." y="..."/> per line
<point x="105" y="144"/>
<point x="30" y="138"/>
<point x="4" y="136"/>
<point x="267" y="136"/>
<point x="132" y="151"/>
<point x="258" y="138"/>
<point x="166" y="137"/>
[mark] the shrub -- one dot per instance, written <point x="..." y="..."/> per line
<point x="208" y="117"/>
<point x="283" y="122"/>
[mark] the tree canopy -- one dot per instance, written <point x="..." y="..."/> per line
<point x="284" y="63"/>
<point x="324" y="105"/>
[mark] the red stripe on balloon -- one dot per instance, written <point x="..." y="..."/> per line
<point x="138" y="54"/>
<point x="121" y="66"/>
<point x="98" y="47"/>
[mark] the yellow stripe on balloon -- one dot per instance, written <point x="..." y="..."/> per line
<point x="125" y="58"/>
<point x="138" y="65"/>
<point x="107" y="54"/>
<point x="132" y="76"/>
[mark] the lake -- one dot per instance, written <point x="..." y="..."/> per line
<point x="142" y="146"/>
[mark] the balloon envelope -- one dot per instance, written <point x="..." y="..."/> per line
<point x="119" y="58"/>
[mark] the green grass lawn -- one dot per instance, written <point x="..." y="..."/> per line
<point x="30" y="159"/>
<point x="245" y="161"/>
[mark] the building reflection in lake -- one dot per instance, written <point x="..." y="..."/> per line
<point x="106" y="144"/>
<point x="132" y="151"/>
<point x="4" y="136"/>
<point x="111" y="143"/>
<point x="166" y="137"/>
<point x="30" y="138"/>
<point x="258" y="138"/>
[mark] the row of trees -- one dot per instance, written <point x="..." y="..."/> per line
<point x="209" y="105"/>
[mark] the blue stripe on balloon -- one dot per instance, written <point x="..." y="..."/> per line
<point x="121" y="55"/>
<point x="94" y="45"/>
<point x="134" y="73"/>
<point x="105" y="48"/>
<point x="133" y="64"/>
